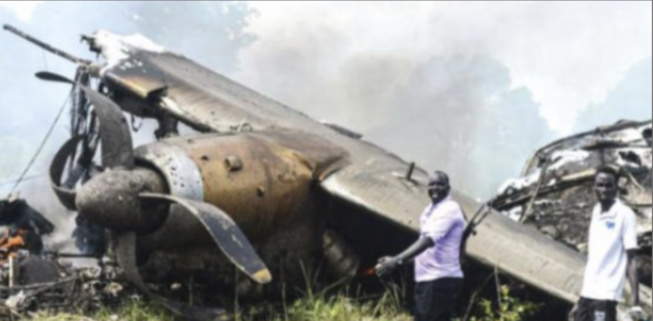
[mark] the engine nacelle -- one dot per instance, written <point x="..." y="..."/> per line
<point x="262" y="182"/>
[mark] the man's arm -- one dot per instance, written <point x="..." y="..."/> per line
<point x="629" y="238"/>
<point x="388" y="264"/>
<point x="633" y="276"/>
<point x="434" y="229"/>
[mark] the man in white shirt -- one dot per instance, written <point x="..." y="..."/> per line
<point x="612" y="254"/>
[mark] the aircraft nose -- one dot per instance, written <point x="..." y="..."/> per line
<point x="111" y="200"/>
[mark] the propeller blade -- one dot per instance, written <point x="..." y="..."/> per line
<point x="74" y="175"/>
<point x="82" y="167"/>
<point x="65" y="195"/>
<point x="126" y="256"/>
<point x="50" y="76"/>
<point x="226" y="234"/>
<point x="114" y="131"/>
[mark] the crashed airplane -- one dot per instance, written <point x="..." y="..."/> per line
<point x="261" y="188"/>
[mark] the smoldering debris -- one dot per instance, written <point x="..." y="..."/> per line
<point x="554" y="192"/>
<point x="32" y="284"/>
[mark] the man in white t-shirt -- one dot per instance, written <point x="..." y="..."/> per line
<point x="612" y="254"/>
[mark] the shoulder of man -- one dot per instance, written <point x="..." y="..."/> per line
<point x="623" y="210"/>
<point x="451" y="207"/>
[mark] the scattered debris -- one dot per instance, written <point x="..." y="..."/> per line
<point x="45" y="284"/>
<point x="21" y="228"/>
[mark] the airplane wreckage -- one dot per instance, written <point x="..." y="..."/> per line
<point x="261" y="193"/>
<point x="555" y="191"/>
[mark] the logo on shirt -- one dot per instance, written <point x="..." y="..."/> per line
<point x="610" y="225"/>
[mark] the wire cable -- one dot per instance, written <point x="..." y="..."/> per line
<point x="27" y="178"/>
<point x="45" y="139"/>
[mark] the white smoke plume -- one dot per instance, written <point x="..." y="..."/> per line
<point x="471" y="88"/>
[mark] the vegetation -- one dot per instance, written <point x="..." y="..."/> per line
<point x="133" y="310"/>
<point x="509" y="308"/>
<point x="318" y="308"/>
<point x="342" y="308"/>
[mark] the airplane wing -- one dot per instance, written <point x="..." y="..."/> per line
<point x="515" y="249"/>
<point x="518" y="250"/>
<point x="373" y="181"/>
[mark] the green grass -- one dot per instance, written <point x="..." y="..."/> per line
<point x="336" y="308"/>
<point x="313" y="307"/>
<point x="134" y="310"/>
<point x="342" y="308"/>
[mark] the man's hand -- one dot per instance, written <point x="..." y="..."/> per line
<point x="573" y="312"/>
<point x="636" y="313"/>
<point x="386" y="265"/>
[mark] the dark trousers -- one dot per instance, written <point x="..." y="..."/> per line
<point x="436" y="300"/>
<point x="596" y="310"/>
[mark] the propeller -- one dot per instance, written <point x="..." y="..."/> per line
<point x="226" y="234"/>
<point x="121" y="199"/>
<point x="65" y="195"/>
<point x="81" y="125"/>
<point x="50" y="76"/>
<point x="126" y="255"/>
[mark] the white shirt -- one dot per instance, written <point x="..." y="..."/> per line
<point x="611" y="235"/>
<point x="444" y="224"/>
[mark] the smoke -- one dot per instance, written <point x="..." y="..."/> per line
<point x="470" y="88"/>
<point x="631" y="99"/>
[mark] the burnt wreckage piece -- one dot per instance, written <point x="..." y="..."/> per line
<point x="21" y="220"/>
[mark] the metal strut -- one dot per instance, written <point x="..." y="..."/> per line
<point x="46" y="46"/>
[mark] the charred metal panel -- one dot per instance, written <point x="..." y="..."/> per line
<point x="133" y="76"/>
<point x="182" y="174"/>
<point x="110" y="199"/>
<point x="183" y="179"/>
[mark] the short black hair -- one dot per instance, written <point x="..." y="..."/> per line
<point x="613" y="170"/>
<point x="443" y="174"/>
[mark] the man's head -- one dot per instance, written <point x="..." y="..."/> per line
<point x="648" y="136"/>
<point x="606" y="184"/>
<point x="438" y="187"/>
